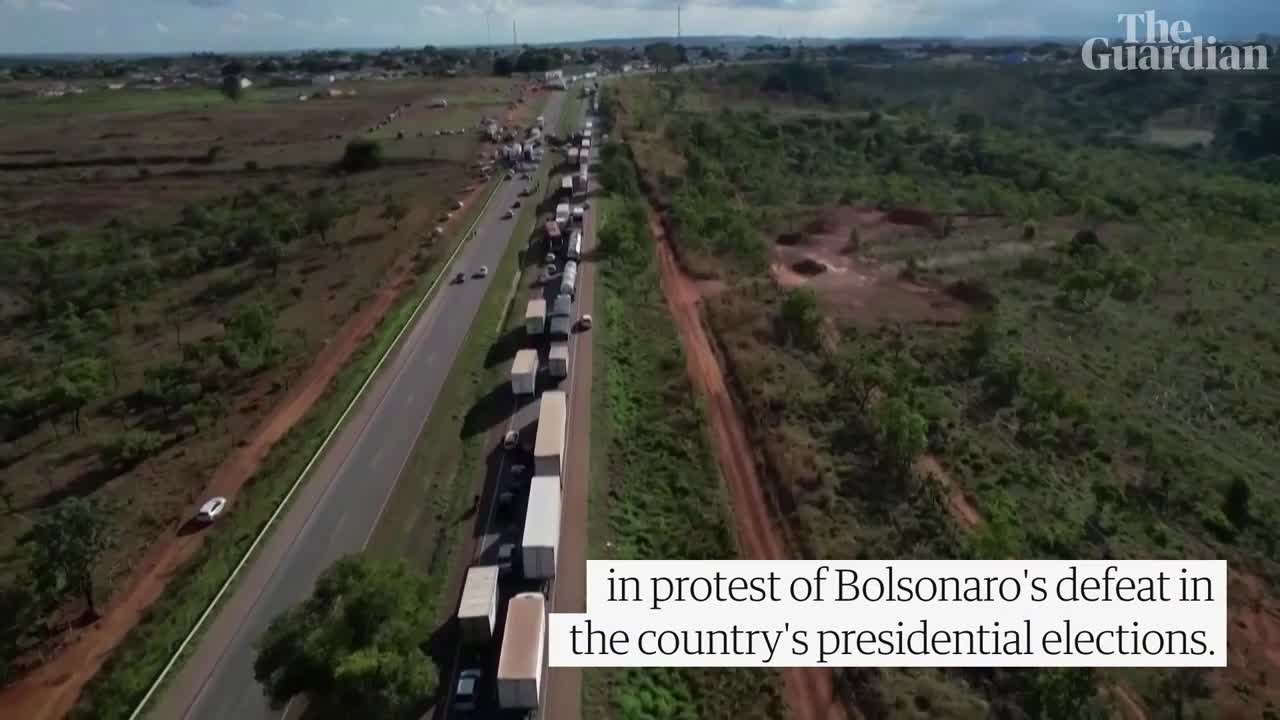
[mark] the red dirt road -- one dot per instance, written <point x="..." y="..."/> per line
<point x="809" y="691"/>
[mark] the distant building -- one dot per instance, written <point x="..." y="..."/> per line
<point x="322" y="80"/>
<point x="551" y="75"/>
<point x="1014" y="58"/>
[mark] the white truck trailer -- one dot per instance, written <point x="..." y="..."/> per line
<point x="479" y="605"/>
<point x="569" y="280"/>
<point x="573" y="156"/>
<point x="524" y="372"/>
<point x="548" y="445"/>
<point x="523" y="646"/>
<point x="562" y="213"/>
<point x="535" y="317"/>
<point x="558" y="360"/>
<point x="541" y="540"/>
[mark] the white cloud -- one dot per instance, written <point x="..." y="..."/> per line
<point x="162" y="28"/>
<point x="337" y="22"/>
<point x="18" y="4"/>
<point x="303" y="24"/>
<point x="56" y="6"/>
<point x="273" y="16"/>
<point x="101" y="31"/>
<point x="429" y="10"/>
<point x="239" y="18"/>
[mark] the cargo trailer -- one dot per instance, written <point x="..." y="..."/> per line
<point x="562" y="214"/>
<point x="479" y="604"/>
<point x="573" y="155"/>
<point x="569" y="279"/>
<point x="562" y="306"/>
<point x="523" y="649"/>
<point x="558" y="360"/>
<point x="552" y="232"/>
<point x="579" y="213"/>
<point x="524" y="372"/>
<point x="548" y="445"/>
<point x="574" y="250"/>
<point x="541" y="539"/>
<point x="566" y="184"/>
<point x="561" y="325"/>
<point x="535" y="317"/>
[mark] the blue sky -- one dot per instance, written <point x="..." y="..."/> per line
<point x="229" y="25"/>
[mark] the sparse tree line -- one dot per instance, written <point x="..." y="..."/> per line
<point x="81" y="294"/>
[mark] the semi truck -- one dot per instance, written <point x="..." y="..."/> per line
<point x="524" y="372"/>
<point x="541" y="538"/>
<point x="552" y="232"/>
<point x="479" y="605"/>
<point x="566" y="185"/>
<point x="574" y="250"/>
<point x="573" y="156"/>
<point x="569" y="279"/>
<point x="558" y="360"/>
<point x="520" y="660"/>
<point x="562" y="214"/>
<point x="579" y="183"/>
<point x="548" y="444"/>
<point x="535" y="317"/>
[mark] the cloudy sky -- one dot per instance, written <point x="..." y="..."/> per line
<point x="28" y="26"/>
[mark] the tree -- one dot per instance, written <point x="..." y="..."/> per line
<point x="1236" y="503"/>
<point x="65" y="547"/>
<point x="503" y="67"/>
<point x="800" y="318"/>
<point x="361" y="155"/>
<point x="356" y="644"/>
<point x="231" y="87"/>
<point x="1066" y="693"/>
<point x="270" y="256"/>
<point x="901" y="434"/>
<point x="663" y="54"/>
<point x="79" y="383"/>
<point x="394" y="212"/>
<point x="320" y="220"/>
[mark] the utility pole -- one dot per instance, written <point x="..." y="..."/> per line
<point x="679" y="30"/>
<point x="488" y="29"/>
<point x="515" y="43"/>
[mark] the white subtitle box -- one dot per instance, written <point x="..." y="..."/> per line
<point x="910" y="613"/>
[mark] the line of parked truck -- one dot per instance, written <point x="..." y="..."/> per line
<point x="523" y="640"/>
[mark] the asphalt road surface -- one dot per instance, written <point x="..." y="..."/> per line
<point x="562" y="686"/>
<point x="336" y="510"/>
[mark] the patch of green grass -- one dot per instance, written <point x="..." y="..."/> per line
<point x="663" y="497"/>
<point x="123" y="680"/>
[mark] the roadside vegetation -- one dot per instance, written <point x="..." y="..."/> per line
<point x="959" y="327"/>
<point x="355" y="645"/>
<point x="146" y="338"/>
<point x="664" y="499"/>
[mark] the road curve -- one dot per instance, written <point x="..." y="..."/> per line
<point x="336" y="510"/>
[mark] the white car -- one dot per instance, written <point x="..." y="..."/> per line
<point x="467" y="695"/>
<point x="510" y="440"/>
<point x="483" y="271"/>
<point x="211" y="509"/>
<point x="584" y="322"/>
<point x="508" y="215"/>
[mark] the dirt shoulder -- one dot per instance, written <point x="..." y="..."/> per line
<point x="810" y="691"/>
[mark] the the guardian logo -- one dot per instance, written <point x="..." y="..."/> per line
<point x="1164" y="45"/>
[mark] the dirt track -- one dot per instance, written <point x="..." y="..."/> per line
<point x="809" y="691"/>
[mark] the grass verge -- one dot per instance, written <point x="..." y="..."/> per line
<point x="662" y="498"/>
<point x="124" y="679"/>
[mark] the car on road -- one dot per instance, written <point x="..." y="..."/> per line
<point x="510" y="440"/>
<point x="508" y="215"/>
<point x="511" y="174"/>
<point x="584" y="322"/>
<point x="551" y="257"/>
<point x="483" y="271"/>
<point x="467" y="695"/>
<point x="506" y="556"/>
<point x="515" y="205"/>
<point x="212" y="508"/>
<point x="459" y="278"/>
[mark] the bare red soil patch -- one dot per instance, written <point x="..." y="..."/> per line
<point x="810" y="691"/>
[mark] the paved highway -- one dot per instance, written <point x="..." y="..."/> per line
<point x="335" y="512"/>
